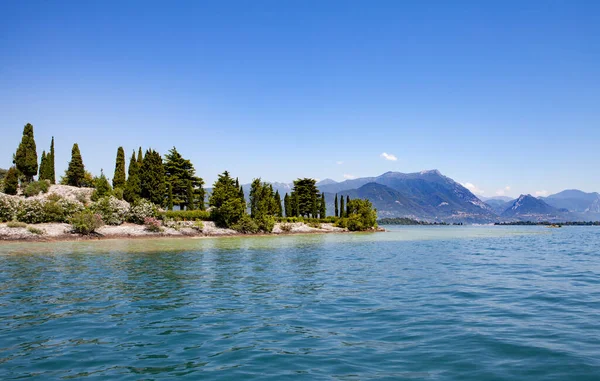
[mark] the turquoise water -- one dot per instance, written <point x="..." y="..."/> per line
<point x="426" y="303"/>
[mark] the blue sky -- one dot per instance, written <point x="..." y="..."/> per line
<point x="495" y="94"/>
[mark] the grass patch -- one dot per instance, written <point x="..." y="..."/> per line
<point x="16" y="224"/>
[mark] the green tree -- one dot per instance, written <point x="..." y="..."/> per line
<point x="75" y="174"/>
<point x="347" y="205"/>
<point x="170" y="197"/>
<point x="50" y="164"/>
<point x="278" y="203"/>
<point x="11" y="181"/>
<point x="342" y="210"/>
<point x="133" y="187"/>
<point x="227" y="208"/>
<point x="119" y="176"/>
<point x="306" y="193"/>
<point x="180" y="173"/>
<point x="26" y="158"/>
<point x="140" y="158"/>
<point x="42" y="169"/>
<point x="287" y="204"/>
<point x="361" y="216"/>
<point x="323" y="207"/>
<point x="336" y="206"/>
<point x="102" y="187"/>
<point x="152" y="178"/>
<point x="295" y="206"/>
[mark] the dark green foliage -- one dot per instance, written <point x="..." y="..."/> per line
<point x="119" y="176"/>
<point x="133" y="187"/>
<point x="36" y="187"/>
<point x="187" y="215"/>
<point x="50" y="169"/>
<point x="42" y="169"/>
<point x="86" y="222"/>
<point x="180" y="173"/>
<point x="294" y="203"/>
<point x="242" y="196"/>
<point x="26" y="158"/>
<point x="287" y="204"/>
<point x="75" y="174"/>
<point x="140" y="158"/>
<point x="323" y="207"/>
<point x="264" y="206"/>
<point x="336" y="206"/>
<point x="347" y="206"/>
<point x="118" y="193"/>
<point x="102" y="187"/>
<point x="342" y="210"/>
<point x="225" y="200"/>
<point x="279" y="212"/>
<point x="152" y="178"/>
<point x="11" y="181"/>
<point x="246" y="225"/>
<point x="170" y="198"/>
<point x="305" y="196"/>
<point x="361" y="216"/>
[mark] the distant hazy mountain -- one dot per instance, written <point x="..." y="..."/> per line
<point x="499" y="206"/>
<point x="427" y="195"/>
<point x="496" y="198"/>
<point x="529" y="208"/>
<point x="575" y="201"/>
<point x="326" y="182"/>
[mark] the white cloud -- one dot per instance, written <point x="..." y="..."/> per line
<point x="349" y="177"/>
<point x="473" y="188"/>
<point x="503" y="191"/>
<point x="542" y="193"/>
<point x="339" y="162"/>
<point x="389" y="156"/>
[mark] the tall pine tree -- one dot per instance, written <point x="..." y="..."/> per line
<point x="323" y="207"/>
<point x="278" y="203"/>
<point x="342" y="210"/>
<point x="133" y="188"/>
<point x="26" y="158"/>
<point x="287" y="205"/>
<point x="347" y="206"/>
<point x="227" y="208"/>
<point x="140" y="158"/>
<point x="76" y="171"/>
<point x="50" y="164"/>
<point x="119" y="176"/>
<point x="43" y="164"/>
<point x="180" y="173"/>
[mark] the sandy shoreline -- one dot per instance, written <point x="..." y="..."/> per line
<point x="62" y="232"/>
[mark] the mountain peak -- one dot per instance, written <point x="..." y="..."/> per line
<point x="327" y="182"/>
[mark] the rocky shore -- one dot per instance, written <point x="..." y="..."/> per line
<point x="62" y="231"/>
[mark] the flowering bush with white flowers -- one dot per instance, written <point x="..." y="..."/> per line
<point x="9" y="205"/>
<point x="31" y="211"/>
<point x="141" y="210"/>
<point x="112" y="210"/>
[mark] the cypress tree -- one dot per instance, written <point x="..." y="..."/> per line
<point x="241" y="194"/>
<point x="179" y="172"/>
<point x="323" y="207"/>
<point x="152" y="177"/>
<point x="119" y="176"/>
<point x="50" y="164"/>
<point x="76" y="171"/>
<point x="170" y="199"/>
<point x="287" y="205"/>
<point x="133" y="187"/>
<point x="225" y="201"/>
<point x="190" y="196"/>
<point x="278" y="203"/>
<point x="11" y="181"/>
<point x="315" y="207"/>
<point x="43" y="164"/>
<point x="347" y="206"/>
<point x="342" y="207"/>
<point x="26" y="157"/>
<point x="336" y="206"/>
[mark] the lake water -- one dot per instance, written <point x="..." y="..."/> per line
<point x="425" y="303"/>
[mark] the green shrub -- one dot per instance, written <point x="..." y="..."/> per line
<point x="246" y="225"/>
<point x="31" y="211"/>
<point x="35" y="230"/>
<point x="16" y="224"/>
<point x="314" y="224"/>
<point x="118" y="193"/>
<point x="362" y="216"/>
<point x="112" y="210"/>
<point x="198" y="225"/>
<point x="286" y="227"/>
<point x="82" y="198"/>
<point x="141" y="210"/>
<point x="9" y="206"/>
<point x="86" y="222"/>
<point x="265" y="223"/>
<point x="36" y="187"/>
<point x="186" y="215"/>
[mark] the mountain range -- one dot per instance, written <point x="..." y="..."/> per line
<point x="431" y="196"/>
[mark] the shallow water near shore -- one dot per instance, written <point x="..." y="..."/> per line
<point x="432" y="303"/>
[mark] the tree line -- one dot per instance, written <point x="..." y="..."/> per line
<point x="171" y="181"/>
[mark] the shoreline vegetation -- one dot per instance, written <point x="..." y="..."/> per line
<point x="159" y="196"/>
